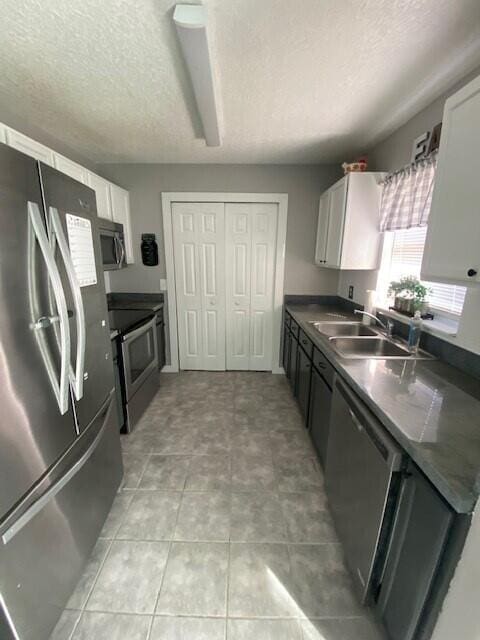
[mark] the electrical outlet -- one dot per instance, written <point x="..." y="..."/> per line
<point x="350" y="292"/>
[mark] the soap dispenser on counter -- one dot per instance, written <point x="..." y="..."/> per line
<point x="414" y="332"/>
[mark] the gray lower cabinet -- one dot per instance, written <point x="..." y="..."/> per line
<point x="319" y="413"/>
<point x="420" y="532"/>
<point x="118" y="385"/>
<point x="293" y="363"/>
<point x="286" y="348"/>
<point x="160" y="328"/>
<point x="304" y="374"/>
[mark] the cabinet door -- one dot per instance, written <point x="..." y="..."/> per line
<point x="102" y="194"/>
<point x="452" y="248"/>
<point x="286" y="349"/>
<point x="293" y="363"/>
<point x="419" y="536"/>
<point x="29" y="147"/>
<point x="303" y="382"/>
<point x="120" y="201"/>
<point x="336" y="217"/>
<point x="161" y="345"/>
<point x="322" y="230"/>
<point x="70" y="168"/>
<point x="319" y="414"/>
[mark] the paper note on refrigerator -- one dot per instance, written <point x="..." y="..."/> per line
<point x="80" y="240"/>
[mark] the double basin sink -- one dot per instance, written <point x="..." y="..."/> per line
<point x="356" y="340"/>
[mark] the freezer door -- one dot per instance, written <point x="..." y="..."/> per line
<point x="44" y="548"/>
<point x="33" y="431"/>
<point x="67" y="203"/>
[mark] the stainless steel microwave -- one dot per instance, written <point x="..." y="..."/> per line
<point x="112" y="240"/>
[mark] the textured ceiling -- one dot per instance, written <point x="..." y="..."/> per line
<point x="300" y="80"/>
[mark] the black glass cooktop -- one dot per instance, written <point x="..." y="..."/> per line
<point x="124" y="320"/>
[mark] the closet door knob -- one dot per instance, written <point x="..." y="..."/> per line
<point x="471" y="273"/>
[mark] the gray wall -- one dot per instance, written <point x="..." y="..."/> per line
<point x="303" y="184"/>
<point x="389" y="155"/>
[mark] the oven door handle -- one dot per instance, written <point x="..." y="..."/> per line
<point x="131" y="335"/>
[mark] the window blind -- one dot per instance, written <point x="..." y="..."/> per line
<point x="407" y="253"/>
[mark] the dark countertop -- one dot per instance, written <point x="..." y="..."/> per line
<point x="429" y="407"/>
<point x="153" y="301"/>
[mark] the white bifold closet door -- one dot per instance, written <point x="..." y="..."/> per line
<point x="199" y="256"/>
<point x="251" y="230"/>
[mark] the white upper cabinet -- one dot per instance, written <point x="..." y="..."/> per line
<point x="30" y="147"/>
<point x="348" y="231"/>
<point x="70" y="168"/>
<point x="102" y="193"/>
<point x="120" y="199"/>
<point x="336" y="221"/>
<point x="112" y="202"/>
<point x="452" y="247"/>
<point x="322" y="230"/>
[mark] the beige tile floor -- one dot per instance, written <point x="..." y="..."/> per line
<point x="221" y="530"/>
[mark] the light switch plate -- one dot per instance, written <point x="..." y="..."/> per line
<point x="163" y="284"/>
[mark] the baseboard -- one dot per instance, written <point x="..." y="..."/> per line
<point x="169" y="369"/>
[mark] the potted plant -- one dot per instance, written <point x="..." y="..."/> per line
<point x="409" y="295"/>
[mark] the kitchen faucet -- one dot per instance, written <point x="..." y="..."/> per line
<point x="388" y="327"/>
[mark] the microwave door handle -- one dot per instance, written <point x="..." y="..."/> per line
<point x="59" y="235"/>
<point x="117" y="253"/>
<point x="38" y="233"/>
<point x="122" y="252"/>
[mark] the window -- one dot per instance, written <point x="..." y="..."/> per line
<point x="403" y="252"/>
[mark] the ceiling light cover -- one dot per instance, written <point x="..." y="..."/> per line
<point x="191" y="24"/>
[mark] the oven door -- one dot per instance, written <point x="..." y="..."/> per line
<point x="140" y="356"/>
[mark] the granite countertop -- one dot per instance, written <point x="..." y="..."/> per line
<point x="429" y="407"/>
<point x="154" y="301"/>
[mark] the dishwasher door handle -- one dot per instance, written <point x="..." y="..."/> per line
<point x="355" y="420"/>
<point x="372" y="428"/>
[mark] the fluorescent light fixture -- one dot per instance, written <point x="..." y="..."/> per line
<point x="191" y="23"/>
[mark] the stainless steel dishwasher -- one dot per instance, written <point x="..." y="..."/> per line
<point x="362" y="460"/>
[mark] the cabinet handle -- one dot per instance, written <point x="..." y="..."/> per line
<point x="471" y="273"/>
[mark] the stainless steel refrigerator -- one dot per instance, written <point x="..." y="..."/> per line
<point x="60" y="458"/>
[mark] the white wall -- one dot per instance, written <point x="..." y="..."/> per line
<point x="392" y="154"/>
<point x="304" y="184"/>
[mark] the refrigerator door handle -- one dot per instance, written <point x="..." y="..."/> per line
<point x="11" y="530"/>
<point x="60" y="385"/>
<point x="59" y="235"/>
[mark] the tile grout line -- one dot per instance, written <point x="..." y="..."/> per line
<point x="157" y="599"/>
<point x="83" y="607"/>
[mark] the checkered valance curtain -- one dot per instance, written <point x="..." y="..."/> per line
<point x="407" y="195"/>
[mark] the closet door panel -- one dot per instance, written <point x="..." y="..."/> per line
<point x="238" y="264"/>
<point x="264" y="232"/>
<point x="198" y="236"/>
<point x="211" y="248"/>
<point x="189" y="302"/>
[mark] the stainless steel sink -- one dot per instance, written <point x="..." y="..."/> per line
<point x="369" y="348"/>
<point x="332" y="329"/>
